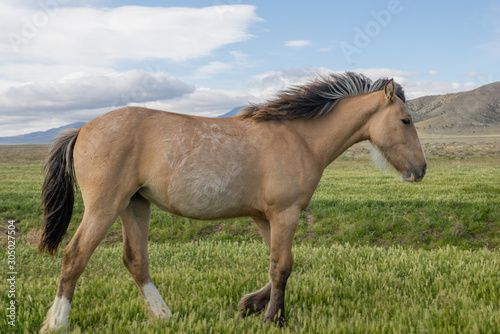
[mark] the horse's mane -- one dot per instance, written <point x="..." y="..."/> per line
<point x="316" y="98"/>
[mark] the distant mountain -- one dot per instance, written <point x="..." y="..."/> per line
<point x="45" y="137"/>
<point x="232" y="112"/>
<point x="476" y="108"/>
<point x="40" y="137"/>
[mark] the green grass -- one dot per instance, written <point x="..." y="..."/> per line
<point x="372" y="255"/>
<point x="458" y="204"/>
<point x="337" y="289"/>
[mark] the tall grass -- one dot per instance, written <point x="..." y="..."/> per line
<point x="372" y="255"/>
<point x="457" y="203"/>
<point x="337" y="289"/>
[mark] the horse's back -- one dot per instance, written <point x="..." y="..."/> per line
<point x="192" y="166"/>
<point x="134" y="132"/>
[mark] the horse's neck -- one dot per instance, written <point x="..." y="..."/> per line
<point x="345" y="125"/>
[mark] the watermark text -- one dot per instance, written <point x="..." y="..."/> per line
<point x="11" y="273"/>
<point x="363" y="36"/>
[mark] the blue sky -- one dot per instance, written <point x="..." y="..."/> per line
<point x="63" y="61"/>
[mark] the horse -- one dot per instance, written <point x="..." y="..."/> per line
<point x="265" y="163"/>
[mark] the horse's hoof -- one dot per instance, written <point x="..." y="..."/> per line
<point x="280" y="321"/>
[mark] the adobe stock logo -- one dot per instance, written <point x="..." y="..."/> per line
<point x="32" y="24"/>
<point x="364" y="36"/>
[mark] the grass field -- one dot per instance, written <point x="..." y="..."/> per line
<point x="337" y="289"/>
<point x="373" y="254"/>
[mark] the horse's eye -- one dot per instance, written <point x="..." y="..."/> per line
<point x="406" y="121"/>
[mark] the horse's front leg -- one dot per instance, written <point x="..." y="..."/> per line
<point x="283" y="227"/>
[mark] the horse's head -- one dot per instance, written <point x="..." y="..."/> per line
<point x="393" y="133"/>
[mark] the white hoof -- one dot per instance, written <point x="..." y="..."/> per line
<point x="57" y="317"/>
<point x="156" y="306"/>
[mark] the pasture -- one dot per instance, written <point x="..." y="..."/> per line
<point x="372" y="254"/>
<point x="337" y="289"/>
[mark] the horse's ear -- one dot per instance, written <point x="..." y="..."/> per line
<point x="389" y="89"/>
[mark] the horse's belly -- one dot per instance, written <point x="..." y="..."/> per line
<point x="205" y="199"/>
<point x="206" y="195"/>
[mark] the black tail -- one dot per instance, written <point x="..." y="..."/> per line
<point x="58" y="191"/>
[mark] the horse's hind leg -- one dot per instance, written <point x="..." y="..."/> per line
<point x="256" y="301"/>
<point x="135" y="222"/>
<point x="279" y="236"/>
<point x="76" y="255"/>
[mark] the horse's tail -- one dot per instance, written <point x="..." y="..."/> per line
<point x="58" y="191"/>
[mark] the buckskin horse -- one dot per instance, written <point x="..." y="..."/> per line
<point x="264" y="163"/>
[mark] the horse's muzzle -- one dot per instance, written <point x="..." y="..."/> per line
<point x="415" y="175"/>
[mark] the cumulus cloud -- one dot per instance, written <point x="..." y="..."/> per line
<point x="84" y="91"/>
<point x="21" y="73"/>
<point x="264" y="86"/>
<point x="63" y="61"/>
<point x="209" y="102"/>
<point x="16" y="124"/>
<point x="98" y="36"/>
<point x="205" y="102"/>
<point x="36" y="106"/>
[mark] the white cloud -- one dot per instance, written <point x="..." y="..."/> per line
<point x="12" y="125"/>
<point x="60" y="61"/>
<point x="417" y="88"/>
<point x="21" y="73"/>
<point x="213" y="102"/>
<point x="265" y="85"/>
<point x="376" y="73"/>
<point x="84" y="91"/>
<point x="212" y="68"/>
<point x="205" y="102"/>
<point x="297" y="43"/>
<point x="240" y="60"/>
<point x="273" y="81"/>
<point x="83" y="96"/>
<point x="99" y="36"/>
<point x="414" y="89"/>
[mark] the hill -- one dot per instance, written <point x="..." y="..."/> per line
<point x="478" y="108"/>
<point x="232" y="112"/>
<point x="40" y="137"/>
<point x="45" y="137"/>
<point x="475" y="111"/>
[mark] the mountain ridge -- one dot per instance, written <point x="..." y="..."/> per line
<point x="38" y="137"/>
<point x="479" y="107"/>
<point x="475" y="109"/>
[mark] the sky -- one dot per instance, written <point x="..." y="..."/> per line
<point x="63" y="61"/>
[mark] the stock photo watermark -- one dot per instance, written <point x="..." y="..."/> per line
<point x="32" y="24"/>
<point x="11" y="308"/>
<point x="364" y="35"/>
